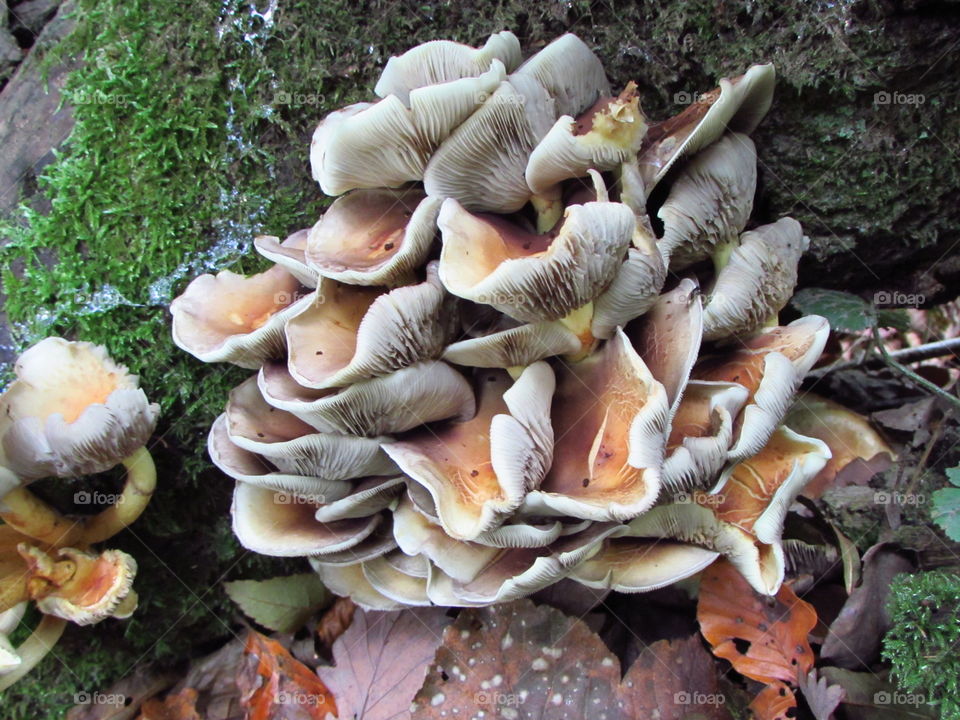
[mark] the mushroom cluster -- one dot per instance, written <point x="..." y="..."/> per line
<point x="70" y="411"/>
<point x="487" y="368"/>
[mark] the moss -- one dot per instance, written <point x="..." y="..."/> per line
<point x="921" y="645"/>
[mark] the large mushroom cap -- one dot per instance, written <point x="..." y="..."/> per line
<point x="71" y="411"/>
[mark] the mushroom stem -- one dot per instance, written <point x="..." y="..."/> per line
<point x="29" y="515"/>
<point x="141" y="482"/>
<point x="34" y="649"/>
<point x="549" y="207"/>
<point x="721" y="255"/>
<point x="13" y="590"/>
<point x="579" y="322"/>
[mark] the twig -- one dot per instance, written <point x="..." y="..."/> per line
<point x="922" y="382"/>
<point x="904" y="355"/>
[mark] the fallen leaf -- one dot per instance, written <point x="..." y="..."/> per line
<point x="144" y="683"/>
<point x="775" y="702"/>
<point x="822" y="697"/>
<point x="858" y="451"/>
<point x="946" y="506"/>
<point x="870" y="696"/>
<point x="846" y="312"/>
<point x="520" y="660"/>
<point x="764" y="638"/>
<point x="335" y="621"/>
<point x="283" y="603"/>
<point x="276" y="686"/>
<point x="176" y="706"/>
<point x="854" y="638"/>
<point x="381" y="661"/>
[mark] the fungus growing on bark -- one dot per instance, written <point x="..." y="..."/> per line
<point x="549" y="397"/>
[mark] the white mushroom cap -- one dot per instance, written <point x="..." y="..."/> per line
<point x="422" y="393"/>
<point x="283" y="525"/>
<point x="347" y="333"/>
<point x="771" y="365"/>
<point x="570" y="72"/>
<point x="701" y="433"/>
<point x="757" y="281"/>
<point x="633" y="291"/>
<point x="388" y="143"/>
<point x="236" y="319"/>
<point x="479" y="471"/>
<point x="291" y="255"/>
<point x="10" y="621"/>
<point x="399" y="577"/>
<point x="668" y="338"/>
<point x="515" y="347"/>
<point x="71" y="411"/>
<point x="710" y="202"/>
<point x="634" y="565"/>
<point x="349" y="581"/>
<point x="738" y="105"/>
<point x="293" y="446"/>
<point x="610" y="419"/>
<point x="442" y="61"/>
<point x="607" y="134"/>
<point x="374" y="237"/>
<point x="533" y="277"/>
<point x="482" y="163"/>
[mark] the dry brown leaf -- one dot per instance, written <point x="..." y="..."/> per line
<point x="335" y="621"/>
<point x="821" y="697"/>
<point x="381" y="661"/>
<point x="764" y="638"/>
<point x="520" y="660"/>
<point x="276" y="686"/>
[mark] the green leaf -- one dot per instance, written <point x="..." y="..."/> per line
<point x="946" y="506"/>
<point x="897" y="319"/>
<point x="845" y="312"/>
<point x="282" y="603"/>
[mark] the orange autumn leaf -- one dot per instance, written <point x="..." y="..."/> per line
<point x="176" y="706"/>
<point x="774" y="703"/>
<point x="764" y="638"/>
<point x="281" y="686"/>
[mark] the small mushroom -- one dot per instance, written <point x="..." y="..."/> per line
<point x="73" y="411"/>
<point x="478" y="471"/>
<point x="400" y="577"/>
<point x="82" y="587"/>
<point x="237" y="319"/>
<point x="442" y="61"/>
<point x="373" y="237"/>
<point x="291" y="255"/>
<point x="388" y="143"/>
<point x="606" y="135"/>
<point x="710" y="202"/>
<point x="349" y="581"/>
<point x="422" y="393"/>
<point x="610" y="417"/>
<point x="770" y="365"/>
<point x="283" y="525"/>
<point x="345" y="333"/>
<point x="633" y="565"/>
<point x="482" y="163"/>
<point x="738" y="105"/>
<point x="528" y="276"/>
<point x="756" y="282"/>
